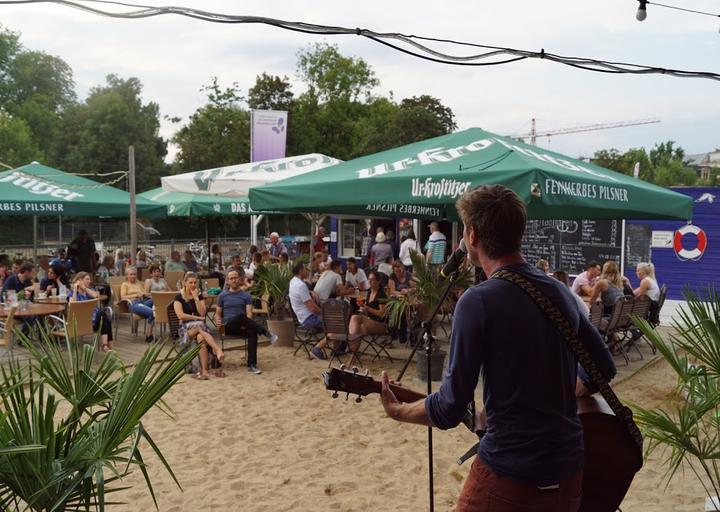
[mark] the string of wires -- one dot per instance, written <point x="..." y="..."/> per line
<point x="416" y="46"/>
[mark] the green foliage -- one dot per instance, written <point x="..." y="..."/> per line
<point x="17" y="145"/>
<point x="270" y="93"/>
<point x="427" y="291"/>
<point x="686" y="429"/>
<point x="664" y="165"/>
<point x="218" y="133"/>
<point x="92" y="443"/>
<point x="273" y="280"/>
<point x="331" y="76"/>
<point x="95" y="135"/>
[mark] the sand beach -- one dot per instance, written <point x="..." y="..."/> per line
<point x="278" y="441"/>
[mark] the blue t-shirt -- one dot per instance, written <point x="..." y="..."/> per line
<point x="528" y="372"/>
<point x="234" y="303"/>
<point x="13" y="283"/>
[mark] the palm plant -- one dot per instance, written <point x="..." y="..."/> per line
<point x="77" y="424"/>
<point x="273" y="281"/>
<point x="687" y="427"/>
<point x="427" y="290"/>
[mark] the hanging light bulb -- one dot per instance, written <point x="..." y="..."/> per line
<point x="642" y="11"/>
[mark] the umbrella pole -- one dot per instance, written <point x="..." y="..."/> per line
<point x="35" y="241"/>
<point x="60" y="231"/>
<point x="207" y="241"/>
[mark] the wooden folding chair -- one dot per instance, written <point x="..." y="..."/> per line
<point x="336" y="322"/>
<point x="618" y="325"/>
<point x="122" y="308"/>
<point x="7" y="327"/>
<point x="78" y="321"/>
<point x="160" y="302"/>
<point x="305" y="337"/>
<point x="596" y="314"/>
<point x="641" y="309"/>
<point x="116" y="280"/>
<point x="173" y="277"/>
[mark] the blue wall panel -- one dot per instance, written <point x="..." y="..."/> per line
<point x="676" y="272"/>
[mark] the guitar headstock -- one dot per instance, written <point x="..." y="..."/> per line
<point x="349" y="382"/>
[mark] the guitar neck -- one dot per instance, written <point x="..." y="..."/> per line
<point x="401" y="393"/>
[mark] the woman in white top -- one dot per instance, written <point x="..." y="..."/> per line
<point x="409" y="244"/>
<point x="156" y="283"/>
<point x="648" y="283"/>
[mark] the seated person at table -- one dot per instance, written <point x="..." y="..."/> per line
<point x="43" y="266"/>
<point x="61" y="260"/>
<point x="400" y="280"/>
<point x="543" y="265"/>
<point x="648" y="284"/>
<point x="81" y="290"/>
<point x="265" y="257"/>
<point x="156" y="282"/>
<point x="385" y="266"/>
<point x="142" y="261"/>
<point x="306" y="309"/>
<point x="234" y="310"/>
<point x="355" y="276"/>
<point x="257" y="260"/>
<point x="330" y="283"/>
<point x="190" y="310"/>
<point x="105" y="270"/>
<point x="584" y="282"/>
<point x="174" y="264"/>
<point x="132" y="290"/>
<point x="54" y="280"/>
<point x="4" y="273"/>
<point x="370" y="319"/>
<point x="609" y="287"/>
<point x="236" y="265"/>
<point x="21" y="280"/>
<point x="189" y="262"/>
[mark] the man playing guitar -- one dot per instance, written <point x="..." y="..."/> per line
<point x="531" y="455"/>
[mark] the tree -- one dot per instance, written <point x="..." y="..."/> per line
<point x="664" y="165"/>
<point x="35" y="87"/>
<point x="16" y="142"/>
<point x="270" y="93"/>
<point x="96" y="134"/>
<point x="218" y="133"/>
<point x="331" y="76"/>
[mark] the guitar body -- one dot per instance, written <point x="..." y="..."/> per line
<point x="611" y="457"/>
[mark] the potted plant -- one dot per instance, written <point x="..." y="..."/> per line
<point x="272" y="283"/>
<point x="685" y="429"/>
<point x="60" y="458"/>
<point x="419" y="303"/>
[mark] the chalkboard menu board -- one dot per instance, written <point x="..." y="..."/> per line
<point x="569" y="244"/>
<point x="638" y="238"/>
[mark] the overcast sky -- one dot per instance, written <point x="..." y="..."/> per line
<point x="174" y="57"/>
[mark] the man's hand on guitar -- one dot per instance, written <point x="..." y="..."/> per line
<point x="390" y="403"/>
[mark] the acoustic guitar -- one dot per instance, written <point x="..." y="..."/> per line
<point x="611" y="455"/>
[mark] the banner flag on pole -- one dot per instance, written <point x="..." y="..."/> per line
<point x="268" y="134"/>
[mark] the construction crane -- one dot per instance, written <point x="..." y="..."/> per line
<point x="534" y="134"/>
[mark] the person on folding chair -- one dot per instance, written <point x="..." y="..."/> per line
<point x="370" y="319"/>
<point x="190" y="310"/>
<point x="306" y="309"/>
<point x="82" y="290"/>
<point x="234" y="311"/>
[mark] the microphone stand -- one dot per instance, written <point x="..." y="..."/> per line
<point x="429" y="340"/>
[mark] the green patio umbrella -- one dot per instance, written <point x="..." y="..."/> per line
<point x="36" y="189"/>
<point x="424" y="179"/>
<point x="180" y="204"/>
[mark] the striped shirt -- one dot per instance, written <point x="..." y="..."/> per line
<point x="436" y="245"/>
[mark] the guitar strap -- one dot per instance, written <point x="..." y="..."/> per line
<point x="563" y="325"/>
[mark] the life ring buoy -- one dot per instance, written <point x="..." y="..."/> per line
<point x="690" y="254"/>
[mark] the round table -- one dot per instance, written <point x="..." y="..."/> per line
<point x="34" y="310"/>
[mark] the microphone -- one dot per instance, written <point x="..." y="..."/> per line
<point x="454" y="261"/>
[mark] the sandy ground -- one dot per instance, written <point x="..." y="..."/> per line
<point x="278" y="441"/>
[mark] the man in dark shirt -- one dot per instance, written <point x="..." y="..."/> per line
<point x="21" y="280"/>
<point x="82" y="253"/>
<point x="531" y="456"/>
<point x="234" y="311"/>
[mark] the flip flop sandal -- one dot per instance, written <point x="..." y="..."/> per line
<point x="200" y="376"/>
